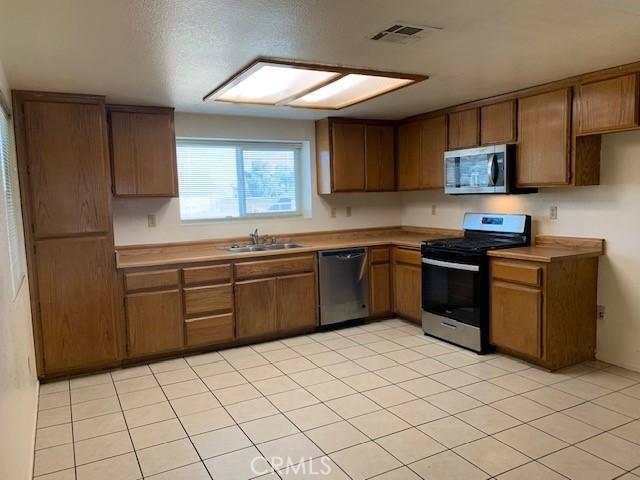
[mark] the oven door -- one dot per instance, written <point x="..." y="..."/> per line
<point x="452" y="290"/>
<point x="476" y="170"/>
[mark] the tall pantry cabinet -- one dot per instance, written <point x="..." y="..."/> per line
<point x="65" y="183"/>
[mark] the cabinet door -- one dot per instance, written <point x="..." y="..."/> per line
<point x="608" y="105"/>
<point x="498" y="123"/>
<point x="433" y="143"/>
<point x="409" y="156"/>
<point x="464" y="129"/>
<point x="348" y="157"/>
<point x="79" y="308"/>
<point x="296" y="296"/>
<point x="544" y="138"/>
<point x="380" y="279"/>
<point x="68" y="168"/>
<point x="380" y="158"/>
<point x="407" y="290"/>
<point x="143" y="151"/>
<point x="154" y="322"/>
<point x="256" y="307"/>
<point x="516" y="318"/>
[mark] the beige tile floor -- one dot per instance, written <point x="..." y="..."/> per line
<point x="376" y="401"/>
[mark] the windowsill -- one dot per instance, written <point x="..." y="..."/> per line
<point x="214" y="221"/>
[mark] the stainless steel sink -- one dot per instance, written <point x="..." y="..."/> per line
<point x="262" y="247"/>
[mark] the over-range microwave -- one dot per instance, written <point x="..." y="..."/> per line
<point x="488" y="169"/>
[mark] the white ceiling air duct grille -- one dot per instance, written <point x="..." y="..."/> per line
<point x="403" y="33"/>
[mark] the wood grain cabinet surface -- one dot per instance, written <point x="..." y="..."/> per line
<point x="464" y="129"/>
<point x="354" y="155"/>
<point x="421" y="147"/>
<point x="409" y="156"/>
<point x="498" y="123"/>
<point x="143" y="151"/>
<point x="608" y="105"/>
<point x="407" y="283"/>
<point x="379" y="282"/>
<point x="154" y="322"/>
<point x="256" y="307"/>
<point x="380" y="165"/>
<point x="544" y="126"/>
<point x="65" y="182"/>
<point x="544" y="312"/>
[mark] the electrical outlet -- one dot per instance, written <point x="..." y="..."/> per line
<point x="433" y="209"/>
<point x="348" y="211"/>
<point x="334" y="211"/>
<point x="600" y="312"/>
<point x="553" y="212"/>
<point x="151" y="220"/>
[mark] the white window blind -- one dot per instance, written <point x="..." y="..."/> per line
<point x="229" y="179"/>
<point x="12" y="203"/>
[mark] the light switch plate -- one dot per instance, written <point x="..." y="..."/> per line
<point x="151" y="220"/>
<point x="553" y="212"/>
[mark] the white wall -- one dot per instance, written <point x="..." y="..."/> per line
<point x="130" y="215"/>
<point x="610" y="211"/>
<point x="18" y="383"/>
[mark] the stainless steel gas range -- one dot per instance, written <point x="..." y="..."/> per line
<point x="455" y="277"/>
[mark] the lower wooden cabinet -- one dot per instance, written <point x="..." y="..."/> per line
<point x="407" y="284"/>
<point x="379" y="282"/>
<point x="516" y="320"/>
<point x="209" y="330"/>
<point x="79" y="310"/>
<point x="544" y="312"/>
<point x="154" y="322"/>
<point x="296" y="300"/>
<point x="256" y="307"/>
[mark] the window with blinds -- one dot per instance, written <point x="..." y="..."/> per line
<point x="221" y="179"/>
<point x="12" y="203"/>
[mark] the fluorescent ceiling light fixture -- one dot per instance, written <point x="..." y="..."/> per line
<point x="350" y="89"/>
<point x="307" y="85"/>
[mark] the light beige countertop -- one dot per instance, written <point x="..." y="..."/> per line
<point x="552" y="249"/>
<point x="215" y="250"/>
<point x="546" y="248"/>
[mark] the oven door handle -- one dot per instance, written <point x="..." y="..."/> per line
<point x="456" y="266"/>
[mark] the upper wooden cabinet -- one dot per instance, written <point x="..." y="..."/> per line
<point x="607" y="105"/>
<point x="498" y="123"/>
<point x="409" y="156"/>
<point x="143" y="151"/>
<point x="433" y="144"/>
<point x="355" y="155"/>
<point x="68" y="168"/>
<point x="464" y="129"/>
<point x="421" y="147"/>
<point x="380" y="165"/>
<point x="544" y="130"/>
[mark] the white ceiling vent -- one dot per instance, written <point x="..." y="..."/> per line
<point x="402" y="32"/>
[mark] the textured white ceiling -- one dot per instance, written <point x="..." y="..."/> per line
<point x="172" y="52"/>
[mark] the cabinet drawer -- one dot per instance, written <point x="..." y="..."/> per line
<point x="269" y="268"/>
<point x="207" y="330"/>
<point x="408" y="256"/>
<point x="517" y="272"/>
<point x="206" y="275"/>
<point x="157" y="279"/>
<point x="201" y="300"/>
<point x="379" y="255"/>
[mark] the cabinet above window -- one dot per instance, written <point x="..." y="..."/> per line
<point x="355" y="155"/>
<point x="143" y="151"/>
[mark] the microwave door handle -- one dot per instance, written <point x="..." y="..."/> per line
<point x="493" y="170"/>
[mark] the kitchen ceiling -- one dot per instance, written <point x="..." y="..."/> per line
<point x="171" y="52"/>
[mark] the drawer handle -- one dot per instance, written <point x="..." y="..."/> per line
<point x="448" y="325"/>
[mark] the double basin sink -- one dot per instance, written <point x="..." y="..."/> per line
<point x="262" y="247"/>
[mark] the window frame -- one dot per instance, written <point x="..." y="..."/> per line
<point x="13" y="221"/>
<point x="240" y="146"/>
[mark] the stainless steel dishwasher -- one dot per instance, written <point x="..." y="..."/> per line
<point x="344" y="285"/>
